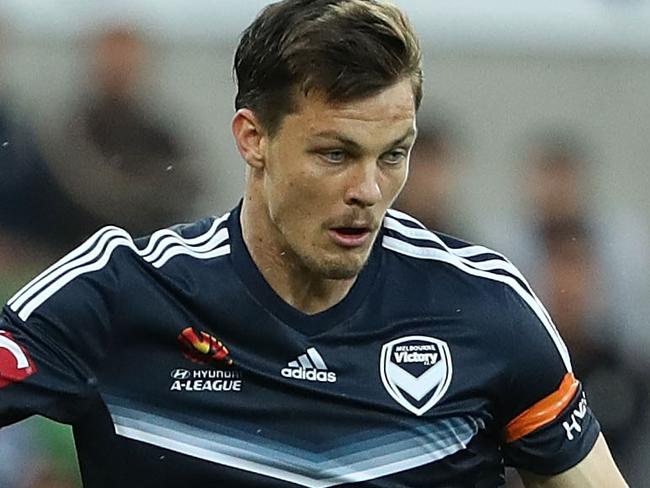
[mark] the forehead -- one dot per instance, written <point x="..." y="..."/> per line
<point x="389" y="111"/>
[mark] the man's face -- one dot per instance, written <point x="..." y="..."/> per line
<point x="331" y="171"/>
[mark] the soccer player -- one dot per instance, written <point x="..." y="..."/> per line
<point x="310" y="337"/>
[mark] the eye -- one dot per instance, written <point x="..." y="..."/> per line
<point x="334" y="156"/>
<point x="394" y="157"/>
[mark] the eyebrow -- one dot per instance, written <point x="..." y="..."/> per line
<point x="332" y="134"/>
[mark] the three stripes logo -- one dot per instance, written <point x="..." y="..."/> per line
<point x="310" y="367"/>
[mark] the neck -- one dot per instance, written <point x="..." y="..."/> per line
<point x="284" y="271"/>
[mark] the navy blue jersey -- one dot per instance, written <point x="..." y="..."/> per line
<point x="178" y="365"/>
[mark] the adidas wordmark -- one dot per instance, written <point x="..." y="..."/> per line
<point x="310" y="367"/>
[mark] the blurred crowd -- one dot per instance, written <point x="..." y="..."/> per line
<point x="588" y="275"/>
<point x="118" y="161"/>
<point x="115" y="162"/>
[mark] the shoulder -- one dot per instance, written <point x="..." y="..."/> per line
<point x="202" y="239"/>
<point x="406" y="236"/>
<point x="448" y="266"/>
<point x="490" y="283"/>
<point x="112" y="259"/>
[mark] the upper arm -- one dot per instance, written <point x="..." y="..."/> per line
<point x="548" y="427"/>
<point x="597" y="469"/>
<point x="49" y="361"/>
<point x="54" y="334"/>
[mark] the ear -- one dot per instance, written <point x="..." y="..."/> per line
<point x="250" y="137"/>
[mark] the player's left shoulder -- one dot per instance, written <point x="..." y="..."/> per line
<point x="472" y="267"/>
<point x="481" y="281"/>
<point x="406" y="235"/>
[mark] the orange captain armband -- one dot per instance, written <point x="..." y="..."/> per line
<point x="544" y="411"/>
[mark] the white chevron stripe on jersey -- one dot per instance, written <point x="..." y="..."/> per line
<point x="194" y="251"/>
<point x="98" y="254"/>
<point x="352" y="462"/>
<point x="55" y="286"/>
<point x="463" y="252"/>
<point x="83" y="248"/>
<point x="424" y="233"/>
<point x="177" y="251"/>
<point x="468" y="251"/>
<point x="163" y="237"/>
<point x="401" y="215"/>
<point x="445" y="256"/>
<point x="97" y="241"/>
<point x="94" y="253"/>
<point x="50" y="290"/>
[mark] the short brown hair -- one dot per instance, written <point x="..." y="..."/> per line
<point x="346" y="49"/>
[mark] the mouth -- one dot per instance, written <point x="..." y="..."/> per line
<point x="351" y="237"/>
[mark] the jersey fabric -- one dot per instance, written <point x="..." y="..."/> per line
<point x="178" y="366"/>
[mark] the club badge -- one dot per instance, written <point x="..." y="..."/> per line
<point x="15" y="363"/>
<point x="416" y="371"/>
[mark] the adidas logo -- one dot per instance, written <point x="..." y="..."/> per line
<point x="310" y="367"/>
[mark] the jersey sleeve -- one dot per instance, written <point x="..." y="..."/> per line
<point x="54" y="334"/>
<point x="548" y="425"/>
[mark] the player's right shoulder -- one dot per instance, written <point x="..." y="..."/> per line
<point x="109" y="262"/>
<point x="95" y="254"/>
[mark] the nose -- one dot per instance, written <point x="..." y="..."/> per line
<point x="363" y="189"/>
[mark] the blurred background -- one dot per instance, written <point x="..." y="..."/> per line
<point x="534" y="140"/>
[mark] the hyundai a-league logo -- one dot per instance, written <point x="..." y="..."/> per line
<point x="180" y="374"/>
<point x="416" y="371"/>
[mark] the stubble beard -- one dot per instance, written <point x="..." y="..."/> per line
<point x="332" y="268"/>
<point x="340" y="264"/>
<point x="331" y="265"/>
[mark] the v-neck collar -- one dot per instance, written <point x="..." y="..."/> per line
<point x="263" y="293"/>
